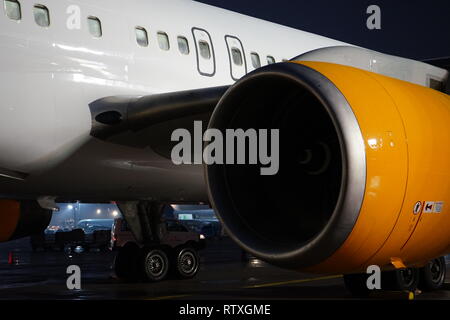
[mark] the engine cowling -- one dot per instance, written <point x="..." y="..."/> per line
<point x="20" y="219"/>
<point x="364" y="173"/>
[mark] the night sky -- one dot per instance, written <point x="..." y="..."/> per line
<point x="409" y="28"/>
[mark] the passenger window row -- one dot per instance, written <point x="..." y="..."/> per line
<point x="163" y="40"/>
<point x="40" y="12"/>
<point x="42" y="18"/>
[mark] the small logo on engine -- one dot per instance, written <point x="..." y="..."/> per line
<point x="418" y="207"/>
<point x="429" y="206"/>
<point x="438" y="207"/>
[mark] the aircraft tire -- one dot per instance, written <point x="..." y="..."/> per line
<point x="432" y="276"/>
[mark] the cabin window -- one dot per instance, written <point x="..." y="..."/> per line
<point x="205" y="50"/>
<point x="141" y="37"/>
<point x="95" y="27"/>
<point x="183" y="45"/>
<point x="41" y="15"/>
<point x="236" y="54"/>
<point x="12" y="9"/>
<point x="256" y="61"/>
<point x="163" y="41"/>
<point x="270" y="60"/>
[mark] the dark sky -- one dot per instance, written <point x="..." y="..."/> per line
<point x="410" y="28"/>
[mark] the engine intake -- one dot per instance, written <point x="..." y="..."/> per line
<point x="363" y="171"/>
<point x="304" y="213"/>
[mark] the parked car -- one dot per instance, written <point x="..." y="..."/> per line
<point x="91" y="225"/>
<point x="212" y="230"/>
<point x="70" y="239"/>
<point x="97" y="233"/>
<point x="46" y="240"/>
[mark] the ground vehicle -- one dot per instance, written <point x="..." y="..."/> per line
<point x="57" y="238"/>
<point x="211" y="229"/>
<point x="175" y="252"/>
<point x="44" y="240"/>
<point x="97" y="232"/>
<point x="91" y="225"/>
<point x="89" y="234"/>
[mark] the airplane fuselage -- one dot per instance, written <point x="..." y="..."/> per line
<point x="51" y="74"/>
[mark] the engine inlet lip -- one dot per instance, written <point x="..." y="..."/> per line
<point x="353" y="184"/>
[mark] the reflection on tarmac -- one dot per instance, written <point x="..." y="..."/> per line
<point x="223" y="275"/>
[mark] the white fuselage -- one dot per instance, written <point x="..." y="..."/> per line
<point x="50" y="75"/>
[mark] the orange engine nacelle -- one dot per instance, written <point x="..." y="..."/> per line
<point x="22" y="218"/>
<point x="364" y="172"/>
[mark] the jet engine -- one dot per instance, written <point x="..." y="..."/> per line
<point x="21" y="219"/>
<point x="364" y="170"/>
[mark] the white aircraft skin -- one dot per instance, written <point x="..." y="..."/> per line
<point x="50" y="75"/>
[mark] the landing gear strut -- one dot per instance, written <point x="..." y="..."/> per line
<point x="136" y="261"/>
<point x="151" y="250"/>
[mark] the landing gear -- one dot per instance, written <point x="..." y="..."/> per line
<point x="155" y="264"/>
<point x="432" y="276"/>
<point x="153" y="247"/>
<point x="187" y="263"/>
<point x="401" y="279"/>
<point x="397" y="280"/>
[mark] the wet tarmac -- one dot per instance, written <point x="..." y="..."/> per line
<point x="223" y="276"/>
